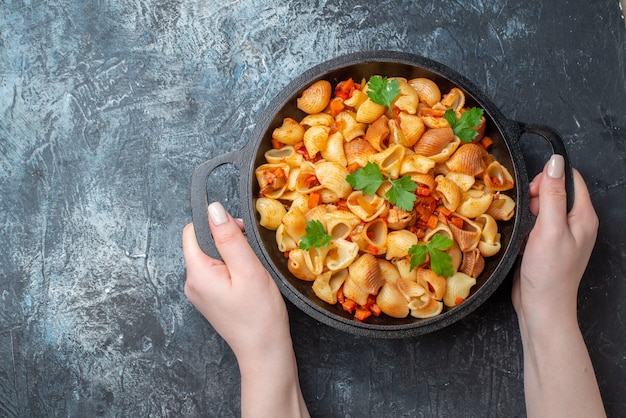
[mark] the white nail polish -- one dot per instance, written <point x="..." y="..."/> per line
<point x="217" y="213"/>
<point x="556" y="166"/>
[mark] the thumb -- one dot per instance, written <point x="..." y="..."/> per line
<point x="552" y="195"/>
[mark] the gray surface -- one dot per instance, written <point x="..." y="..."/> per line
<point x="106" y="109"/>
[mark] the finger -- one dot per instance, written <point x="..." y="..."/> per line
<point x="193" y="254"/>
<point x="582" y="219"/>
<point x="232" y="244"/>
<point x="552" y="196"/>
<point x="534" y="194"/>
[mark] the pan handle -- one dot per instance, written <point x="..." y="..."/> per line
<point x="558" y="147"/>
<point x="200" y="198"/>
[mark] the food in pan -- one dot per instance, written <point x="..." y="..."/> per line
<point x="384" y="195"/>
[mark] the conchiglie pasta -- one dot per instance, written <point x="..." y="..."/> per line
<point x="271" y="212"/>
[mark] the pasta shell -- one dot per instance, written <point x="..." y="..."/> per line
<point x="315" y="139"/>
<point x="424" y="179"/>
<point x="353" y="292"/>
<point x="298" y="267"/>
<point x="454" y="99"/>
<point x="446" y="152"/>
<point x="434" y="283"/>
<point x="427" y="309"/>
<point x="327" y="284"/>
<point x="464" y="181"/>
<point x="449" y="192"/>
<point x="314" y="259"/>
<point x="357" y="98"/>
<point x="433" y="118"/>
<point x="349" y="127"/>
<point x="468" y="236"/>
<point x="295" y="223"/>
<point x="408" y="99"/>
<point x="307" y="181"/>
<point x="416" y="163"/>
<point x="474" y="203"/>
<point x="490" y="249"/>
<point x="441" y="229"/>
<point x="433" y="141"/>
<point x="389" y="160"/>
<point x="315" y="98"/>
<point x="410" y="289"/>
<point x="377" y="134"/>
<point x="332" y="176"/>
<point x="497" y="177"/>
<point x="489" y="228"/>
<point x="271" y="212"/>
<point x="284" y="241"/>
<point x="335" y="149"/>
<point x="358" y="151"/>
<point x="473" y="263"/>
<point x="290" y="132"/>
<point x="399" y="242"/>
<point x="468" y="159"/>
<point x="371" y="237"/>
<point x="365" y="206"/>
<point x="340" y="223"/>
<point x="398" y="219"/>
<point x="318" y="119"/>
<point x="272" y="179"/>
<point x="427" y="90"/>
<point x="388" y="271"/>
<point x="403" y="265"/>
<point x="365" y="273"/>
<point x="369" y="111"/>
<point x="412" y="127"/>
<point x="459" y="287"/>
<point x="341" y="254"/>
<point x="392" y="302"/>
<point x="502" y="208"/>
<point x="286" y="155"/>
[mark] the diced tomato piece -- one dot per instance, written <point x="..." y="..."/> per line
<point x="486" y="142"/>
<point x="459" y="300"/>
<point x="314" y="199"/>
<point x="336" y="106"/>
<point x="277" y="144"/>
<point x="349" y="306"/>
<point x="432" y="222"/>
<point x="375" y="309"/>
<point x="340" y="296"/>
<point x="423" y="191"/>
<point x="458" y="222"/>
<point x="362" y="314"/>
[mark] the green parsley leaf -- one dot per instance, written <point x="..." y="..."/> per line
<point x="382" y="91"/>
<point x="401" y="193"/>
<point x="465" y="128"/>
<point x="369" y="179"/>
<point x="315" y="236"/>
<point x="440" y="261"/>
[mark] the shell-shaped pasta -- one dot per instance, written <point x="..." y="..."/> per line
<point x="489" y="228"/>
<point x="271" y="212"/>
<point x="433" y="141"/>
<point x="441" y="229"/>
<point x="317" y="213"/>
<point x="318" y="119"/>
<point x="396" y="136"/>
<point x="502" y="208"/>
<point x="284" y="241"/>
<point x="403" y="265"/>
<point x="369" y="111"/>
<point x="468" y="159"/>
<point x="332" y="176"/>
<point x="399" y="242"/>
<point x="340" y="223"/>
<point x="447" y="151"/>
<point x="328" y="283"/>
<point x="468" y="236"/>
<point x="295" y="223"/>
<point x="416" y="163"/>
<point x="348" y="126"/>
<point x="388" y="271"/>
<point x="389" y="160"/>
<point x="474" y="203"/>
<point x="307" y="180"/>
<point x="290" y="132"/>
<point x="272" y="179"/>
<point x="464" y="181"/>
<point x="392" y="302"/>
<point x="334" y="149"/>
<point x="315" y="139"/>
<point x="353" y="292"/>
<point x="341" y="254"/>
<point x="450" y="193"/>
<point x="365" y="272"/>
<point x="298" y="200"/>
<point x="424" y="179"/>
<point x="433" y="118"/>
<point x="357" y="98"/>
<point x="314" y="259"/>
<point x="358" y="151"/>
<point x="423" y="310"/>
<point x="377" y="133"/>
<point x="315" y="98"/>
<point x="298" y="267"/>
<point x="490" y="249"/>
<point x="431" y="281"/>
<point x="427" y="90"/>
<point x="292" y="180"/>
<point x="497" y="177"/>
<point x="454" y="99"/>
<point x="365" y="206"/>
<point x="410" y="289"/>
<point x="456" y="256"/>
<point x="473" y="263"/>
<point x="371" y="237"/>
<point x="412" y="127"/>
<point x="458" y="289"/>
<point x="408" y="99"/>
<point x="286" y="154"/>
<point x="398" y="219"/>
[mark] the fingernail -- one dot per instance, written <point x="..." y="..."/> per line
<point x="556" y="166"/>
<point x="217" y="213"/>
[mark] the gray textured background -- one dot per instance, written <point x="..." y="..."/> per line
<point x="107" y="107"/>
